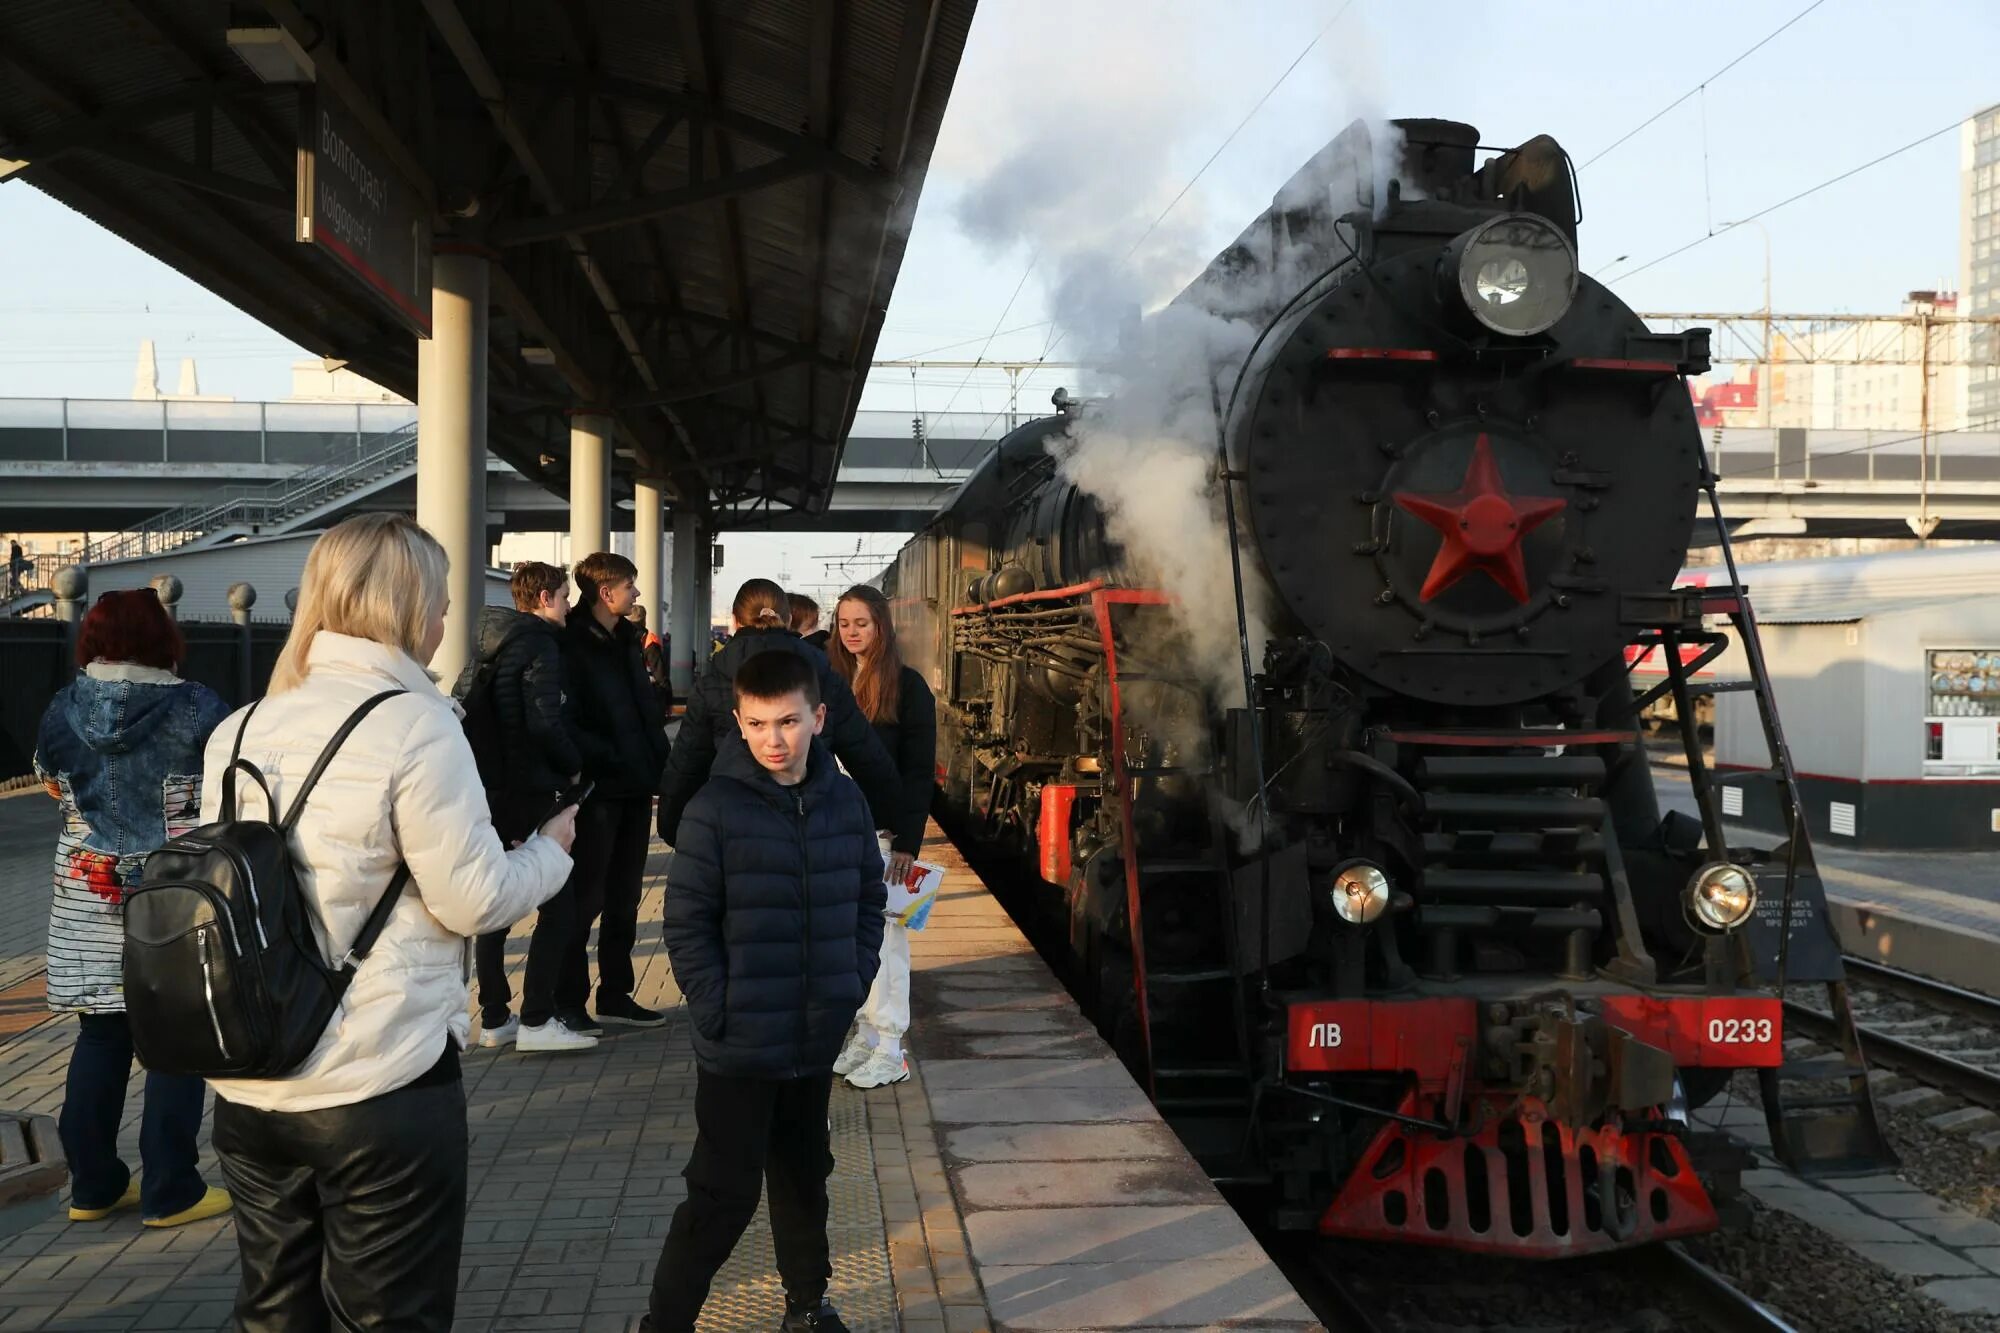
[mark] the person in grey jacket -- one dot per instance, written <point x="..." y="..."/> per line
<point x="120" y="746"/>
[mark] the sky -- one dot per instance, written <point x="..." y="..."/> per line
<point x="1074" y="124"/>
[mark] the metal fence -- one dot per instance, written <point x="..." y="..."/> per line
<point x="38" y="656"/>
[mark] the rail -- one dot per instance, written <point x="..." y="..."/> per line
<point x="261" y="506"/>
<point x="1978" y="1085"/>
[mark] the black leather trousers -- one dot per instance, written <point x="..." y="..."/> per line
<point x="351" y="1217"/>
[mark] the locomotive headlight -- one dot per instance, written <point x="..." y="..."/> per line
<point x="1361" y="893"/>
<point x="1720" y="897"/>
<point x="1516" y="273"/>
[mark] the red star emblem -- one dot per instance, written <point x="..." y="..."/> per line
<point x="1482" y="526"/>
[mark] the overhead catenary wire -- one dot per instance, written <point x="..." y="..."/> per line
<point x="1650" y="120"/>
<point x="1793" y="199"/>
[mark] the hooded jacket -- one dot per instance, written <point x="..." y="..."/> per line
<point x="120" y="747"/>
<point x="709" y="730"/>
<point x="773" y="918"/>
<point x="614" y="709"/>
<point x="530" y="696"/>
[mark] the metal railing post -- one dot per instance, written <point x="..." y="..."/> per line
<point x="71" y="586"/>
<point x="65" y="430"/>
<point x="241" y="598"/>
<point x="168" y="589"/>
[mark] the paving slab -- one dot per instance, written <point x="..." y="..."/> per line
<point x="1061" y="1143"/>
<point x="1044" y="1105"/>
<point x="1965" y="1295"/>
<point x="1165" y="1295"/>
<point x="1106" y="1234"/>
<point x="990" y="1074"/>
<point x="1919" y="1259"/>
<point x="979" y="1020"/>
<point x="1077" y="1184"/>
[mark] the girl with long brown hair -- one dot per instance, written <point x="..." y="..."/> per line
<point x="898" y="703"/>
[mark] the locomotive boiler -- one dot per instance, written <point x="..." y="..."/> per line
<point x="1393" y="929"/>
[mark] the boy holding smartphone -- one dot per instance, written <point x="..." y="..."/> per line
<point x="516" y="700"/>
<point x="773" y="924"/>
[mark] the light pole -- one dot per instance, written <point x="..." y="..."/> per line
<point x="1764" y="390"/>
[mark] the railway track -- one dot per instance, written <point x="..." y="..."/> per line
<point x="1900" y="1043"/>
<point x="1658" y="1275"/>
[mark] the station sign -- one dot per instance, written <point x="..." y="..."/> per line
<point x="356" y="207"/>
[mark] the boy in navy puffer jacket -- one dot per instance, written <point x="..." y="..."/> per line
<point x="773" y="924"/>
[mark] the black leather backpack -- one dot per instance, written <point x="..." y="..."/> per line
<point x="223" y="975"/>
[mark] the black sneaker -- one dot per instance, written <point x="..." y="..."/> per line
<point x="627" y="1012"/>
<point x="822" y="1318"/>
<point x="578" y="1020"/>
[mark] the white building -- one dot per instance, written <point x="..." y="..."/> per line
<point x="1979" y="256"/>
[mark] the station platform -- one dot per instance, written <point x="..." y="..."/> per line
<point x="1018" y="1180"/>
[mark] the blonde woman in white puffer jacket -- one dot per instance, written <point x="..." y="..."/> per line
<point x="349" y="1173"/>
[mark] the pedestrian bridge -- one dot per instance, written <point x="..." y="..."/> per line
<point x="98" y="465"/>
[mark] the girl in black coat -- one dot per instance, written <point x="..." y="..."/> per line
<point x="899" y="704"/>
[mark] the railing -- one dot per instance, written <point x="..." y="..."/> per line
<point x="261" y="506"/>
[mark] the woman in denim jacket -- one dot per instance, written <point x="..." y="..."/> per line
<point x="121" y="748"/>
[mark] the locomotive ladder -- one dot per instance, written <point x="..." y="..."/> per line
<point x="1184" y="1089"/>
<point x="1814" y="1133"/>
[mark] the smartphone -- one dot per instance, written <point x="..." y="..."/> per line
<point x="576" y="795"/>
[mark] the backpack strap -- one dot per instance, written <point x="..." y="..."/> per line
<point x="298" y="805"/>
<point x="236" y="761"/>
<point x="372" y="928"/>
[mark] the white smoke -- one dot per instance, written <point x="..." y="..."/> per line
<point x="1083" y="183"/>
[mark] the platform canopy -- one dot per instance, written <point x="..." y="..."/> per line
<point x="695" y="209"/>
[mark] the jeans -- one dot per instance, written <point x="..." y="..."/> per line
<point x="608" y="863"/>
<point x="749" y="1132"/>
<point x="350" y="1217"/>
<point x="94" y="1103"/>
<point x="555" y="924"/>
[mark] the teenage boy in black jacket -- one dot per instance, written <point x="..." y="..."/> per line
<point x="773" y="925"/>
<point x="538" y="759"/>
<point x="622" y="732"/>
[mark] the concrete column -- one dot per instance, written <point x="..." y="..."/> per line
<point x="589" y="484"/>
<point x="649" y="550"/>
<point x="451" y="444"/>
<point x="704" y="586"/>
<point x="685" y="627"/>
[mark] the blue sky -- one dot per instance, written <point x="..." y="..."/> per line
<point x="1105" y="109"/>
<point x="1091" y="114"/>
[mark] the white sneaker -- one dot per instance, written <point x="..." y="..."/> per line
<point x="502" y="1035"/>
<point x="881" y="1069"/>
<point x="853" y="1057"/>
<point x="553" y="1036"/>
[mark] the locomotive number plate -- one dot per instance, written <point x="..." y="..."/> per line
<point x="1349" y="1036"/>
<point x="1737" y="1032"/>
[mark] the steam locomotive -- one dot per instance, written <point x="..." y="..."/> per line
<point x="1392" y="930"/>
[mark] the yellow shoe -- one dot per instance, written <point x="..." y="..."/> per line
<point x="128" y="1199"/>
<point x="212" y="1204"/>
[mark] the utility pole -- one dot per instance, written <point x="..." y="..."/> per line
<point x="1925" y="524"/>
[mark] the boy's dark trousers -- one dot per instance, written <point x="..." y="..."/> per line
<point x="515" y="816"/>
<point x="608" y="866"/>
<point x="749" y="1131"/>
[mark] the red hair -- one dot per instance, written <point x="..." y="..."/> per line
<point x="130" y="627"/>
